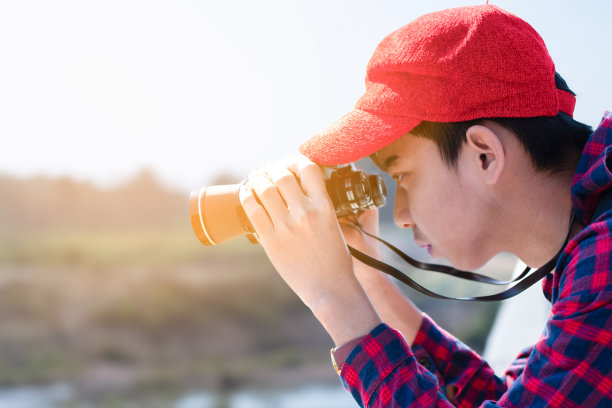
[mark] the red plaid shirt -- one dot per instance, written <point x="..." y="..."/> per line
<point x="571" y="364"/>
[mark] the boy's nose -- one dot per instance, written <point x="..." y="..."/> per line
<point x="401" y="212"/>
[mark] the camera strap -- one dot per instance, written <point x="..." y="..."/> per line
<point x="521" y="282"/>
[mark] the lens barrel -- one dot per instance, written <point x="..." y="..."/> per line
<point x="353" y="191"/>
<point x="216" y="214"/>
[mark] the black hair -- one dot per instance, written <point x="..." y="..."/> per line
<point x="554" y="143"/>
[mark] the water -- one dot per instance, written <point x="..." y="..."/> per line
<point x="36" y="397"/>
<point x="306" y="397"/>
<point x="63" y="395"/>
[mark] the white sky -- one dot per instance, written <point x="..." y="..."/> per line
<point x="97" y="90"/>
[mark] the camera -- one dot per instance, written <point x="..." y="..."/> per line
<point x="217" y="215"/>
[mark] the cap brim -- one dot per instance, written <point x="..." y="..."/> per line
<point x="354" y="136"/>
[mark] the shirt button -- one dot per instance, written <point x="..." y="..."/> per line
<point x="424" y="362"/>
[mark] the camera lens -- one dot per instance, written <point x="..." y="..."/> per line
<point x="217" y="215"/>
<point x="378" y="190"/>
<point x="353" y="191"/>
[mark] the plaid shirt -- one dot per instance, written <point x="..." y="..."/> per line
<point x="571" y="364"/>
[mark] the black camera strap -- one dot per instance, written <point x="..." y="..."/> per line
<point x="521" y="282"/>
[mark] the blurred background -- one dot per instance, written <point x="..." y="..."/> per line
<point x="112" y="112"/>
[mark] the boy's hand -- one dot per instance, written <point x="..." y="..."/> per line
<point x="288" y="205"/>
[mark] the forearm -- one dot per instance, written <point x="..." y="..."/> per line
<point x="346" y="313"/>
<point x="393" y="307"/>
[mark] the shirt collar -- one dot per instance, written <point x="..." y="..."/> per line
<point x="592" y="178"/>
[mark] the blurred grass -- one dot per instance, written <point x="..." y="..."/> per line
<point x="42" y="365"/>
<point x="112" y="292"/>
<point x="155" y="306"/>
<point x="152" y="247"/>
<point x="149" y="301"/>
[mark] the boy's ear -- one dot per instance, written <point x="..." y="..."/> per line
<point x="486" y="150"/>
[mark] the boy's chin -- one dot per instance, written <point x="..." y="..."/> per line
<point x="465" y="264"/>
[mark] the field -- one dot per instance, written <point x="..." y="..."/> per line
<point x="123" y="305"/>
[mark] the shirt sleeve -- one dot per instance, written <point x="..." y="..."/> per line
<point x="568" y="367"/>
<point x="382" y="371"/>
<point x="438" y="371"/>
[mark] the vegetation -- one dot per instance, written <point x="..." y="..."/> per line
<point x="110" y="290"/>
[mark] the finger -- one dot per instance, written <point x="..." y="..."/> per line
<point x="350" y="220"/>
<point x="369" y="218"/>
<point x="311" y="178"/>
<point x="366" y="221"/>
<point x="349" y="230"/>
<point x="269" y="196"/>
<point x="288" y="186"/>
<point x="253" y="209"/>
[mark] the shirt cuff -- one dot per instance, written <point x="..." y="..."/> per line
<point x="373" y="359"/>
<point x="339" y="354"/>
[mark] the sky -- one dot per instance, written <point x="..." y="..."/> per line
<point x="99" y="90"/>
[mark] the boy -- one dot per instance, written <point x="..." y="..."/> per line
<point x="464" y="110"/>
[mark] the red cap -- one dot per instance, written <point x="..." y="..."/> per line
<point x="449" y="66"/>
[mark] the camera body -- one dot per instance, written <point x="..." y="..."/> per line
<point x="352" y="191"/>
<point x="217" y="215"/>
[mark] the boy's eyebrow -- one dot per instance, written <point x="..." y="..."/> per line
<point x="387" y="163"/>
